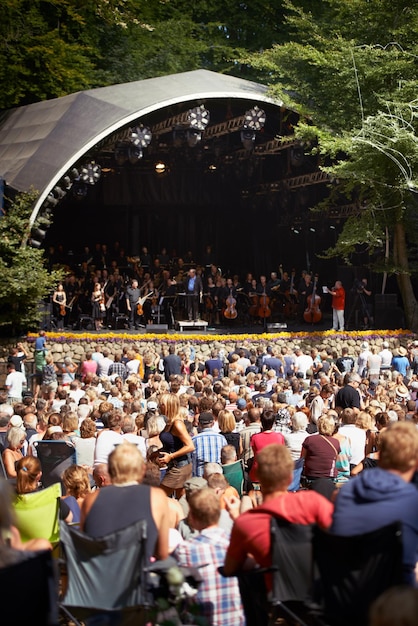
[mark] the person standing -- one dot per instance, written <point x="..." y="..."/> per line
<point x="194" y="290"/>
<point x="133" y="294"/>
<point x="338" y="305"/>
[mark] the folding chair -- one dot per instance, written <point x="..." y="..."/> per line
<point x="291" y="573"/>
<point x="354" y="571"/>
<point x="234" y="474"/>
<point x="106" y="576"/>
<point x="37" y="514"/>
<point x="55" y="457"/>
<point x="36" y="578"/>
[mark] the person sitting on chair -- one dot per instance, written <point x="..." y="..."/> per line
<point x="12" y="549"/>
<point x="127" y="501"/>
<point x="251" y="530"/>
<point x="218" y="598"/>
<point x="385" y="495"/>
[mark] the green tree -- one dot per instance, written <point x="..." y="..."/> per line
<point x="351" y="69"/>
<point x="24" y="279"/>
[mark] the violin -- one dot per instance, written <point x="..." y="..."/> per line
<point x="140" y="303"/>
<point x="263" y="305"/>
<point x="230" y="312"/>
<point x="313" y="314"/>
<point x="63" y="311"/>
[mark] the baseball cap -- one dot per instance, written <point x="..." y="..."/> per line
<point x="152" y="405"/>
<point x="241" y="403"/>
<point x="17" y="422"/>
<point x="205" y="418"/>
<point x="195" y="483"/>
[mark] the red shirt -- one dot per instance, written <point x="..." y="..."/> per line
<point x="258" y="442"/>
<point x="251" y="530"/>
<point x="338" y="301"/>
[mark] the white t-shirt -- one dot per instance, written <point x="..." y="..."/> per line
<point x="138" y="441"/>
<point x="14" y="383"/>
<point x="105" y="444"/>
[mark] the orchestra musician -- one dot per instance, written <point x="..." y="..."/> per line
<point x="59" y="301"/>
<point x="98" y="311"/>
<point x="132" y="297"/>
<point x="305" y="289"/>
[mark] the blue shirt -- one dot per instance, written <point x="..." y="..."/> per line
<point x="208" y="446"/>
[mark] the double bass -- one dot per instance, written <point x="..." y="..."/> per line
<point x="230" y="312"/>
<point x="291" y="306"/>
<point x="263" y="305"/>
<point x="313" y="314"/>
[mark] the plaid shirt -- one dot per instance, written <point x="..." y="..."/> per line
<point x="218" y="599"/>
<point x="117" y="368"/>
<point x="208" y="445"/>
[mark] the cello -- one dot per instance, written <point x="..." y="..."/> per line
<point x="313" y="314"/>
<point x="263" y="305"/>
<point x="230" y="312"/>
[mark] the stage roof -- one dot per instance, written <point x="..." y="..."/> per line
<point x="39" y="142"/>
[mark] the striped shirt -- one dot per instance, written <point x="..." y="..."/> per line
<point x="208" y="446"/>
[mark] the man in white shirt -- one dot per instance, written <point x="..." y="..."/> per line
<point x="356" y="436"/>
<point x="15" y="381"/>
<point x="104" y="364"/>
<point x="386" y="356"/>
<point x="303" y="362"/>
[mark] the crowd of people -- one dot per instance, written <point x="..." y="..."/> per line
<point x="154" y="434"/>
<point x="116" y="290"/>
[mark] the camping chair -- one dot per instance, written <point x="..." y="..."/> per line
<point x="106" y="576"/>
<point x="55" y="457"/>
<point x="30" y="591"/>
<point x="297" y="475"/>
<point x="291" y="576"/>
<point x="234" y="474"/>
<point x="354" y="571"/>
<point x="37" y="514"/>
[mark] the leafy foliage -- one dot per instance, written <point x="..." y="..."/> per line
<point x="24" y="279"/>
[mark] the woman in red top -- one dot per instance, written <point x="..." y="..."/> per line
<point x="264" y="438"/>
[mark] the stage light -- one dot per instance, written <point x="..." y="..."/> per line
<point x="141" y="136"/>
<point x="198" y="117"/>
<point x="90" y="173"/>
<point x="160" y="167"/>
<point x="255" y="118"/>
<point x="134" y="154"/>
<point x="193" y="136"/>
<point x="248" y="139"/>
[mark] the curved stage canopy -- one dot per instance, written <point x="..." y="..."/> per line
<point x="226" y="151"/>
<point x="40" y="142"/>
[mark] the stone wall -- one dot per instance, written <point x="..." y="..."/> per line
<point x="76" y="347"/>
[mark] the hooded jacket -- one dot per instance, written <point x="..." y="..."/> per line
<point x="373" y="499"/>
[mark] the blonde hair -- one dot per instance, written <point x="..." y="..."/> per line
<point x="326" y="425"/>
<point x="126" y="464"/>
<point x="226" y="421"/>
<point x="76" y="481"/>
<point x="398" y="444"/>
<point x="169" y="406"/>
